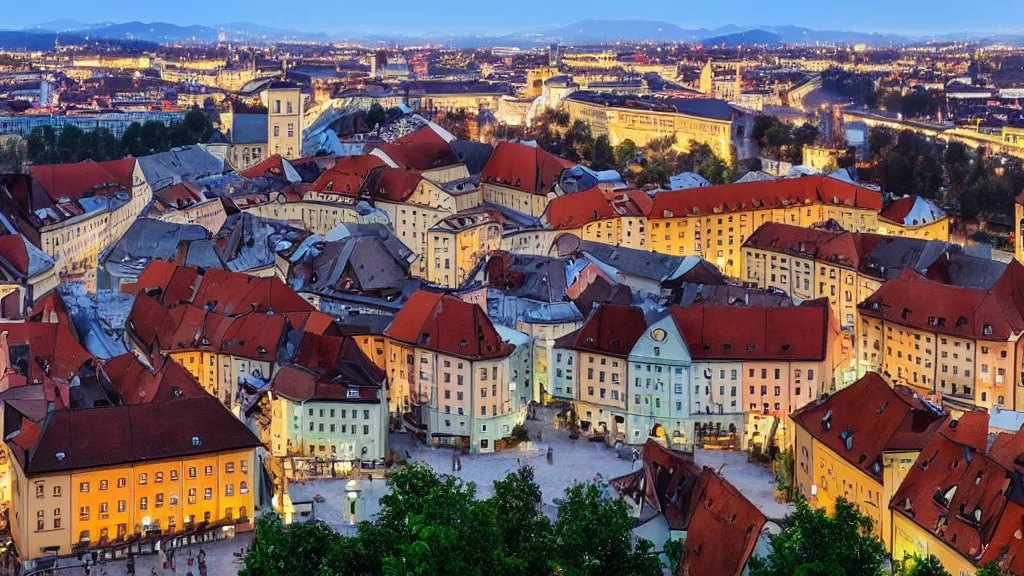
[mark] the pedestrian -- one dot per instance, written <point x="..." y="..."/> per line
<point x="163" y="559"/>
<point x="458" y="462"/>
<point x="202" y="557"/>
<point x="130" y="564"/>
<point x="88" y="570"/>
<point x="153" y="572"/>
<point x="551" y="455"/>
<point x="453" y="461"/>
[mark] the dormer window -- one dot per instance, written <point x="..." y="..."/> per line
<point x="986" y="330"/>
<point x="826" y="421"/>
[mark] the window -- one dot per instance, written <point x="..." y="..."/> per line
<point x="40" y="487"/>
<point x="208" y="494"/>
<point x="229" y="490"/>
<point x="191" y="495"/>
<point x="83" y="513"/>
<point x="103" y="485"/>
<point x="160" y="500"/>
<point x="122" y="505"/>
<point x="208" y="471"/>
<point x="158" y="477"/>
<point x="56" y="491"/>
<point x="143" y="503"/>
<point x="192" y="472"/>
<point x="143" y="479"/>
<point x="83" y="487"/>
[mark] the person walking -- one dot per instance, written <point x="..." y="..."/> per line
<point x="130" y="564"/>
<point x="551" y="455"/>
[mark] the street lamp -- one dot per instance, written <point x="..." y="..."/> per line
<point x="352" y="492"/>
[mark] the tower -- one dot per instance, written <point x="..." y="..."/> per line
<point x="739" y="81"/>
<point x="707" y="79"/>
<point x="284" y="119"/>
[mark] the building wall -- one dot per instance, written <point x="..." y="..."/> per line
<point x="167" y="493"/>
<point x="835" y="478"/>
<point x="284" y="122"/>
<point x="909" y="538"/>
<point x="531" y="241"/>
<point x="242" y="156"/>
<point x="452" y="254"/>
<point x="317" y="217"/>
<point x="220" y="374"/>
<point x="514" y="199"/>
<point x="719" y="238"/>
<point x="643" y="126"/>
<point x="411" y="223"/>
<point x="332" y="429"/>
<point x="209" y="214"/>
<point x="980" y="373"/>
<point x="658" y="385"/>
<point x="547" y="368"/>
<point x="936" y="230"/>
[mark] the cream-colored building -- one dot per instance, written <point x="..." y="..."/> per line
<point x="642" y="120"/>
<point x="284" y="104"/>
<point x="714" y="222"/>
<point x="456" y="245"/>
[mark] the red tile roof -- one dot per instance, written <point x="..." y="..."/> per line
<point x="347" y="176"/>
<point x="924" y="212"/>
<point x="527" y="168"/>
<point x="962" y="497"/>
<point x="14" y="251"/>
<point x="95" y="437"/>
<point x="180" y="195"/>
<point x="762" y="196"/>
<point x="916" y="302"/>
<point x="421" y="150"/>
<point x="576" y="210"/>
<point x="40" y="350"/>
<point x="73" y="181"/>
<point x="755" y="333"/>
<point x="396" y="184"/>
<point x="138" y="383"/>
<point x="723" y="530"/>
<point x="272" y="166"/>
<point x="611" y="330"/>
<point x="870" y="417"/>
<point x="327" y="368"/>
<point x="448" y="325"/>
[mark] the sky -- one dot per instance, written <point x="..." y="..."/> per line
<point x="489" y="16"/>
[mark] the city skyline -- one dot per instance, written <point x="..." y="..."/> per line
<point x="910" y="17"/>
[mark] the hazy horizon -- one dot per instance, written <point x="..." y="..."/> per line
<point x="908" y="17"/>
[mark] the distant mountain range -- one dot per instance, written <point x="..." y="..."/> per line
<point x="581" y="32"/>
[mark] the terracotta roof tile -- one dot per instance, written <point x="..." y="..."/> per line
<point x="527" y="168"/>
<point x="576" y="210"/>
<point x="867" y="417"/>
<point x="448" y="325"/>
<point x="763" y="195"/>
<point x="611" y="330"/>
<point x="421" y="150"/>
<point x="73" y="181"/>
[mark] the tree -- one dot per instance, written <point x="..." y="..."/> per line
<point x="131" y="141"/>
<point x="654" y="173"/>
<point x="625" y="153"/>
<point x="42" y="145"/>
<point x="376" y="115"/>
<point x="990" y="569"/>
<point x="592" y="537"/>
<point x="816" y="543"/>
<point x="69" y="144"/>
<point x="892" y="101"/>
<point x="603" y="157"/>
<point x="434" y="525"/>
<point x="579" y="141"/>
<point x="673" y="550"/>
<point x="12" y="156"/>
<point x="956" y="162"/>
<point x="918" y="566"/>
<point x="154" y="137"/>
<point x="98" y="145"/>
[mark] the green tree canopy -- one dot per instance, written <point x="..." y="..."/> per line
<point x="431" y="525"/>
<point x="816" y="543"/>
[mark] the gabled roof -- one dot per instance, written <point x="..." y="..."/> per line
<point x="139" y="383"/>
<point x="347" y="175"/>
<point x="394" y="184"/>
<point x="916" y="302"/>
<point x="178" y="164"/>
<point x="21" y="257"/>
<point x="448" y="325"/>
<point x="330" y="368"/>
<point x="423" y="149"/>
<point x="611" y="331"/>
<point x="527" y="168"/>
<point x="755" y="332"/>
<point x="273" y="166"/>
<point x="868" y="417"/>
<point x="912" y="211"/>
<point x="581" y="208"/>
<point x="809" y="190"/>
<point x="723" y="531"/>
<point x="966" y="499"/>
<point x="75" y="181"/>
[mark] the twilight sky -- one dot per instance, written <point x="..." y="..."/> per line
<point x="903" y="16"/>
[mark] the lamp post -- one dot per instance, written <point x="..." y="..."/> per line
<point x="352" y="495"/>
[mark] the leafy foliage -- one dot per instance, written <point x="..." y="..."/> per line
<point x="815" y="543"/>
<point x="435" y="525"/>
<point x="918" y="566"/>
<point x="45" y="146"/>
